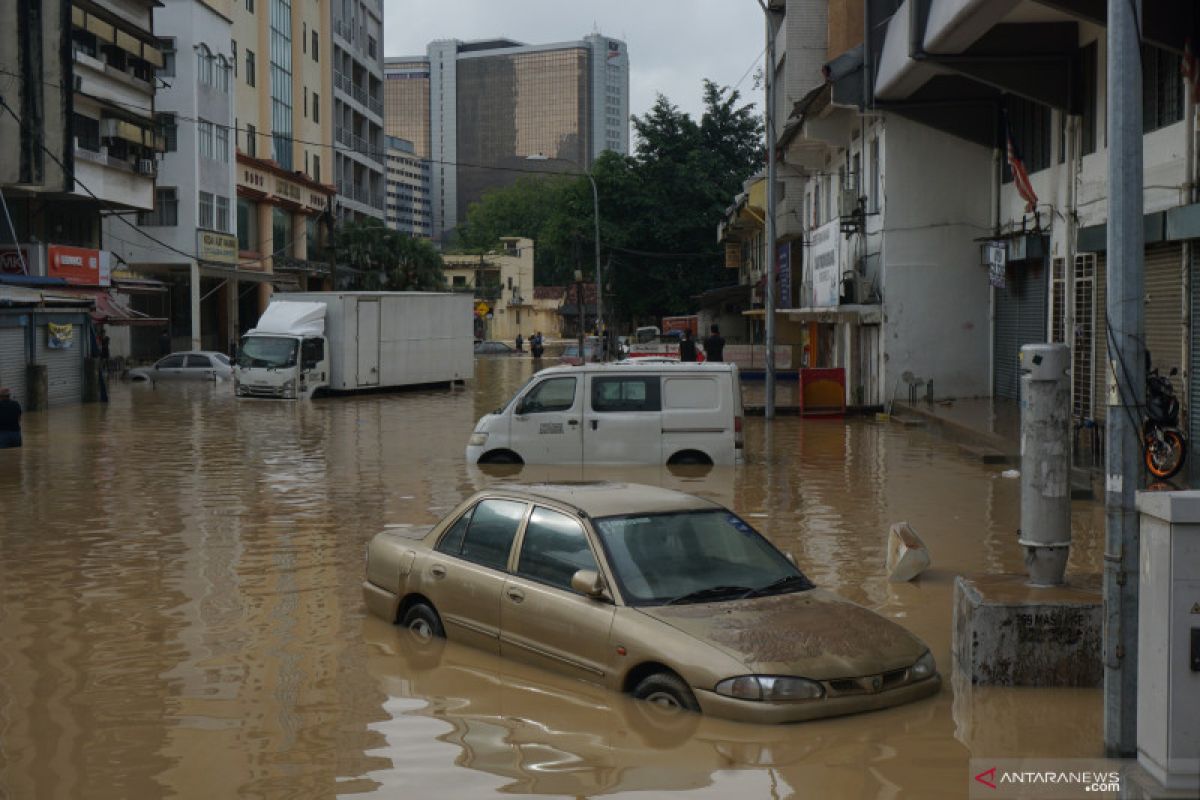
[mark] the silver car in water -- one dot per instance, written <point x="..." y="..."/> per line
<point x="190" y="365"/>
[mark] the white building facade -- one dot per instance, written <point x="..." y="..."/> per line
<point x="358" y="107"/>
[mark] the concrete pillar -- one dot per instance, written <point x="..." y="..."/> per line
<point x="232" y="290"/>
<point x="264" y="296"/>
<point x="1045" y="461"/>
<point x="91" y="380"/>
<point x="194" y="286"/>
<point x="37" y="387"/>
<point x="300" y="243"/>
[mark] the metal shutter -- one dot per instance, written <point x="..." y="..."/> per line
<point x="12" y="362"/>
<point x="1020" y="319"/>
<point x="64" y="368"/>
<point x="1163" y="311"/>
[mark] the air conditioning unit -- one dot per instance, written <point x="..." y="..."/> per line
<point x="848" y="203"/>
<point x="146" y="166"/>
<point x="856" y="288"/>
<point x="108" y="128"/>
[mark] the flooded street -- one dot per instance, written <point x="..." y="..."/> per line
<point x="180" y="611"/>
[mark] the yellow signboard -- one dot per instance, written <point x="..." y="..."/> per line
<point x="482" y="309"/>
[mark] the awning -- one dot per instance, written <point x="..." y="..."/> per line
<point x="138" y="286"/>
<point x="860" y="314"/>
<point x="110" y="312"/>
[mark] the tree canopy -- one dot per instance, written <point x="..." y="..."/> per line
<point x="381" y="259"/>
<point x="659" y="208"/>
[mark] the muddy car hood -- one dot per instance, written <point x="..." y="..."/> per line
<point x="813" y="634"/>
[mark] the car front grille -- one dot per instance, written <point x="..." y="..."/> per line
<point x="261" y="391"/>
<point x="867" y="684"/>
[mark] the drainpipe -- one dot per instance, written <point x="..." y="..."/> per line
<point x="1189" y="196"/>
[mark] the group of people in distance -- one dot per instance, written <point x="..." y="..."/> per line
<point x="714" y="346"/>
<point x="536" y="344"/>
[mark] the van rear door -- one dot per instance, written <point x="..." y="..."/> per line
<point x="623" y="421"/>
<point x="698" y="416"/>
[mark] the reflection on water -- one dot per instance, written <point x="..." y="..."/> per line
<point x="180" y="610"/>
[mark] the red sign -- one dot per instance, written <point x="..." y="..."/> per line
<point x="11" y="261"/>
<point x="77" y="265"/>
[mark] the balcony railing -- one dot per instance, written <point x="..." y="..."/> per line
<point x="300" y="265"/>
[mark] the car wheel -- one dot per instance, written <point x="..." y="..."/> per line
<point x="667" y="692"/>
<point x="424" y="622"/>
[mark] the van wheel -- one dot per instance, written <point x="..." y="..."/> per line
<point x="689" y="457"/>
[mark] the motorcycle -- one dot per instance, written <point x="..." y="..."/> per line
<point x="1164" y="445"/>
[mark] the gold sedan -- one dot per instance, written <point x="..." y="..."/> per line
<point x="667" y="596"/>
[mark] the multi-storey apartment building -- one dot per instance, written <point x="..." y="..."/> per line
<point x="497" y="108"/>
<point x="407" y="190"/>
<point x="358" y="163"/>
<point x="78" y="137"/>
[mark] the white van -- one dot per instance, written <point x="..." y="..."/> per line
<point x="617" y="413"/>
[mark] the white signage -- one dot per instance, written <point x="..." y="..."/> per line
<point x="825" y="265"/>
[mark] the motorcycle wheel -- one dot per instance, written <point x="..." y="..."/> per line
<point x="1164" y="457"/>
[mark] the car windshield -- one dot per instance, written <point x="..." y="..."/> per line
<point x="694" y="556"/>
<point x="267" y="351"/>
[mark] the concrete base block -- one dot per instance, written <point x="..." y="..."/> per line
<point x="1007" y="633"/>
<point x="37" y="387"/>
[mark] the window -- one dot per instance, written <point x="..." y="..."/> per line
<point x="233" y="42"/>
<point x="876" y="189"/>
<point x="206" y="210"/>
<point x="316" y="107"/>
<point x="554" y="549"/>
<point x="247" y="225"/>
<point x="166" y="208"/>
<point x="222" y="214"/>
<point x="316" y="170"/>
<point x="222" y="143"/>
<point x="315" y="41"/>
<point x="169" y="128"/>
<point x="195" y="361"/>
<point x="459" y="280"/>
<point x="205" y="66"/>
<point x="250" y="6"/>
<point x="625" y="394"/>
<point x="87" y="133"/>
<point x="170" y="362"/>
<point x="204" y="131"/>
<point x="554" y="394"/>
<point x="167" y="47"/>
<point x="1162" y="89"/>
<point x="251" y="145"/>
<point x="451" y="541"/>
<point x="306" y="104"/>
<point x="1089" y="80"/>
<point x="1030" y="126"/>
<point x="304" y="37"/>
<point x="371" y="46"/>
<point x="488" y="534"/>
<point x="281" y="231"/>
<point x="249" y="67"/>
<point x="312" y="351"/>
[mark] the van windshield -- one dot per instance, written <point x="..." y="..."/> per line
<point x="267" y="352"/>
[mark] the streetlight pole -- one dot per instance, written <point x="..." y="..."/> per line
<point x="769" y="124"/>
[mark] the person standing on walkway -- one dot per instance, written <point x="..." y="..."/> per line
<point x="714" y="345"/>
<point x="687" y="347"/>
<point x="10" y="419"/>
<point x="164" y="343"/>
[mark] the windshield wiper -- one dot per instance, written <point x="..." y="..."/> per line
<point x="711" y="593"/>
<point x="788" y="583"/>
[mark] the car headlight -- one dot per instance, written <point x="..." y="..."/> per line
<point x="771" y="688"/>
<point x="924" y="668"/>
<point x="477" y="439"/>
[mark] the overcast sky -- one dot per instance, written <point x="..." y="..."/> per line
<point x="673" y="44"/>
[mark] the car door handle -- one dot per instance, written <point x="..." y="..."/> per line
<point x="594" y="424"/>
<point x="572" y="422"/>
<point x="516" y="595"/>
<point x="437" y="571"/>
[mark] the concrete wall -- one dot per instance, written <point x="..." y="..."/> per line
<point x="936" y="295"/>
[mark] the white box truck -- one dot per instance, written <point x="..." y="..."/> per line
<point x="307" y="342"/>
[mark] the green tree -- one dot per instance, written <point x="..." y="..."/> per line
<point x="381" y="259"/>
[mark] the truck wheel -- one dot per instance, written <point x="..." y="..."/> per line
<point x="424" y="622"/>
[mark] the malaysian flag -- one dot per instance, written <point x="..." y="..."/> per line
<point x="1190" y="70"/>
<point x="1020" y="176"/>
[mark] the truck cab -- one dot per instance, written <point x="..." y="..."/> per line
<point x="286" y="356"/>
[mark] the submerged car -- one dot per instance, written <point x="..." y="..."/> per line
<point x="192" y="365"/>
<point x="493" y="347"/>
<point x="669" y="597"/>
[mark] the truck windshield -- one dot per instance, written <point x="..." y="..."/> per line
<point x="267" y="352"/>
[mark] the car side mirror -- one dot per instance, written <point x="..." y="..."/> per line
<point x="589" y="583"/>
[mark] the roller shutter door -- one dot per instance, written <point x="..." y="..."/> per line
<point x="64" y="368"/>
<point x="12" y="362"/>
<point x="1020" y="320"/>
<point x="1163" y="314"/>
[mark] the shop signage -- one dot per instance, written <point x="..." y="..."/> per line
<point x="17" y="261"/>
<point x="60" y="337"/>
<point x="277" y="186"/>
<point x="823" y="254"/>
<point x="214" y="246"/>
<point x="79" y="265"/>
<point x="997" y="259"/>
<point x="783" y="265"/>
<point x="733" y="255"/>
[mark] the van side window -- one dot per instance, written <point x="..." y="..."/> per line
<point x="691" y="393"/>
<point x="554" y="548"/>
<point x="626" y="394"/>
<point x="554" y="394"/>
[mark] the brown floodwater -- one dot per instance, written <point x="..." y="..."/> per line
<point x="180" y="611"/>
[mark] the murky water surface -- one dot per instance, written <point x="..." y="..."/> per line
<point x="180" y="611"/>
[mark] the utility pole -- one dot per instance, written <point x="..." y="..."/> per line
<point x="1126" y="374"/>
<point x="599" y="273"/>
<point x="768" y="73"/>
